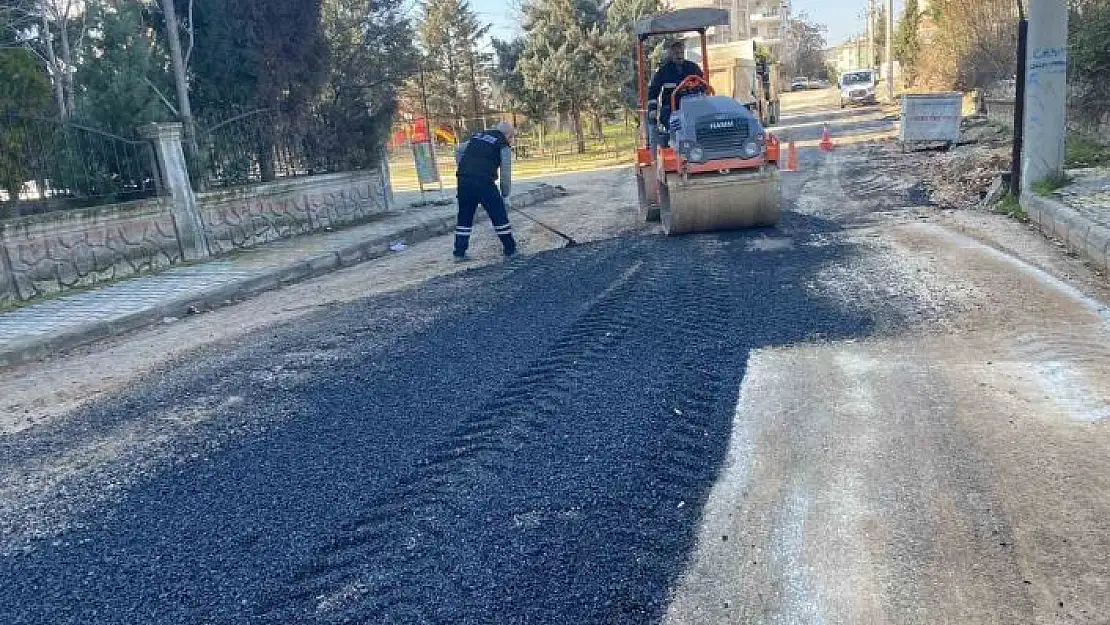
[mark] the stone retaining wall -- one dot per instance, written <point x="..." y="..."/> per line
<point x="43" y="255"/>
<point x="1001" y="110"/>
<point x="243" y="218"/>
<point x="46" y="254"/>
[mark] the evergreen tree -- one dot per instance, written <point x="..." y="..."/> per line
<point x="907" y="45"/>
<point x="509" y="81"/>
<point x="561" y="53"/>
<point x="116" y="89"/>
<point x="371" y="54"/>
<point x="24" y="93"/>
<point x="620" y="51"/>
<point x="879" y="26"/>
<point x="450" y="35"/>
<point x="258" y="54"/>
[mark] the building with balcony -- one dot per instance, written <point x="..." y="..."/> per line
<point x="763" y="21"/>
<point x="850" y="55"/>
<point x="767" y="23"/>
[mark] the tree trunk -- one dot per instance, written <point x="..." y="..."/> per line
<point x="453" y="78"/>
<point x="599" y="127"/>
<point x="476" y="106"/>
<point x="185" y="108"/>
<point x="67" y="75"/>
<point x="266" y="165"/>
<point x="52" y="57"/>
<point x="576" y="126"/>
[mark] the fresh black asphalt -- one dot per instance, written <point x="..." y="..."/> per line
<point x="524" y="443"/>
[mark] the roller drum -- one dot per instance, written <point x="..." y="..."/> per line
<point x="712" y="202"/>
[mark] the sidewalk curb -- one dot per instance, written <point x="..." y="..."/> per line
<point x="1077" y="232"/>
<point x="40" y="348"/>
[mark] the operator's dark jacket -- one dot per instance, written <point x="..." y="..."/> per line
<point x="672" y="72"/>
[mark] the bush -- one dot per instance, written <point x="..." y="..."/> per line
<point x="970" y="44"/>
<point x="1085" y="151"/>
<point x="1089" y="62"/>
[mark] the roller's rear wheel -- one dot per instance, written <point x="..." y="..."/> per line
<point x="647" y="190"/>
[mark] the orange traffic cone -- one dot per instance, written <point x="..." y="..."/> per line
<point x="791" y="157"/>
<point x="826" y="140"/>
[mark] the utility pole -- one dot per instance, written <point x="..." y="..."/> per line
<point x="870" y="35"/>
<point x="1019" y="102"/>
<point x="889" y="50"/>
<point x="1046" y="93"/>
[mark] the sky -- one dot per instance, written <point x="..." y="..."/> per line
<point x="844" y="18"/>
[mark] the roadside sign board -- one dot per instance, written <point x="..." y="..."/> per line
<point x="931" y="117"/>
<point x="426" y="170"/>
<point x="423" y="154"/>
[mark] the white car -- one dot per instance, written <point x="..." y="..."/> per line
<point x="859" y="87"/>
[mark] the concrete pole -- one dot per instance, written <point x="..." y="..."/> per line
<point x="191" y="234"/>
<point x="1045" y="93"/>
<point x="870" y="35"/>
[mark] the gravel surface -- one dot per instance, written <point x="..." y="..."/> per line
<point x="859" y="416"/>
<point x="524" y="443"/>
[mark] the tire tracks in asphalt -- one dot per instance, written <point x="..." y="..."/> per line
<point x="370" y="568"/>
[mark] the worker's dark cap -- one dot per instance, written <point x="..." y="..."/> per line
<point x="677" y="44"/>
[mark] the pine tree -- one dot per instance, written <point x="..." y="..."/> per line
<point x="561" y="53"/>
<point x="25" y="92"/>
<point x="509" y="81"/>
<point x="450" y="35"/>
<point x="620" y="51"/>
<point x="258" y="54"/>
<point x="115" y="88"/>
<point x="907" y="45"/>
<point x="371" y="55"/>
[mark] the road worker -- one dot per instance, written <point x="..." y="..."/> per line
<point x="479" y="158"/>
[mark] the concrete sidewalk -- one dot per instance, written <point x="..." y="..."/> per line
<point x="1078" y="215"/>
<point x="45" y="328"/>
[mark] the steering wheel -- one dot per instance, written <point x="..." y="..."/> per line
<point x="689" y="84"/>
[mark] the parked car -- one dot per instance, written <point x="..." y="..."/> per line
<point x="800" y="83"/>
<point x="858" y="87"/>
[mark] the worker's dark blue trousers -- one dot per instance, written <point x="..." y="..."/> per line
<point x="471" y="193"/>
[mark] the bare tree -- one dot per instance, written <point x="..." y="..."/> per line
<point x="180" y="62"/>
<point x="973" y="44"/>
<point x="26" y="25"/>
<point x="58" y="15"/>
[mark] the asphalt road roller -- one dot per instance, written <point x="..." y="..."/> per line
<point x="705" y="162"/>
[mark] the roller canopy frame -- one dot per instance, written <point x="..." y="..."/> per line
<point x="680" y="21"/>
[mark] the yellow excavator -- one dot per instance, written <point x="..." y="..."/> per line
<point x="712" y="166"/>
